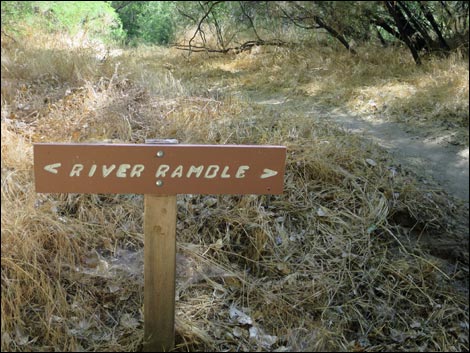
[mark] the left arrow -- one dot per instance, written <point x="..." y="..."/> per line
<point x="51" y="168"/>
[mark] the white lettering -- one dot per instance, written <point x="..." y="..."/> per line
<point x="178" y="172"/>
<point x="211" y="171"/>
<point x="107" y="171"/>
<point x="136" y="170"/>
<point x="241" y="171"/>
<point x="224" y="174"/>
<point x="125" y="170"/>
<point x="121" y="173"/>
<point x="92" y="170"/>
<point x="196" y="170"/>
<point x="76" y="169"/>
<point x="162" y="170"/>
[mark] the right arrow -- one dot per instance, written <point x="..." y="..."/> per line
<point x="268" y="173"/>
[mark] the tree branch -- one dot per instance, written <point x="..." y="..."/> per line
<point x="435" y="26"/>
<point x="320" y="23"/>
<point x="425" y="41"/>
<point x="199" y="29"/>
<point x="242" y="7"/>
<point x="238" y="49"/>
<point x="391" y="7"/>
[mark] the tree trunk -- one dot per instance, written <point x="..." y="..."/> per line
<point x="423" y="40"/>
<point x="401" y="25"/>
<point x="435" y="26"/>
<point x="381" y="23"/>
<point x="334" y="33"/>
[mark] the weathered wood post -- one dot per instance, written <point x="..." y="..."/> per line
<point x="159" y="268"/>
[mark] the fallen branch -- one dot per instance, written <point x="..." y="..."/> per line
<point x="238" y="49"/>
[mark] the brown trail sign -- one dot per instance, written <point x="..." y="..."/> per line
<point x="160" y="171"/>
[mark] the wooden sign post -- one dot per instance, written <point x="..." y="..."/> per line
<point x="160" y="171"/>
<point x="159" y="269"/>
<point x="159" y="272"/>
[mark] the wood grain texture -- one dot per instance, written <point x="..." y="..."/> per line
<point x="159" y="272"/>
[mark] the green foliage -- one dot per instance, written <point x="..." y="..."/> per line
<point x="128" y="13"/>
<point x="96" y="17"/>
<point x="14" y="12"/>
<point x="149" y="22"/>
<point x="93" y="18"/>
<point x="156" y="22"/>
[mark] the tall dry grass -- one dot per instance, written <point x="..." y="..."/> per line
<point x="379" y="83"/>
<point x="335" y="263"/>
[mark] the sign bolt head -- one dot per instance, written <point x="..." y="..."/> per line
<point x="159" y="183"/>
<point x="160" y="154"/>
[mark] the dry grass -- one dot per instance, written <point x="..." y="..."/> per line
<point x="335" y="263"/>
<point x="381" y="84"/>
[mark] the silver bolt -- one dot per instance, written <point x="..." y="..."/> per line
<point x="160" y="154"/>
<point x="159" y="183"/>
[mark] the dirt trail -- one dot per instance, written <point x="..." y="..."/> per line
<point x="432" y="161"/>
<point x="444" y="163"/>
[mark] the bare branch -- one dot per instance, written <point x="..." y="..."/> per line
<point x="238" y="49"/>
<point x="199" y="29"/>
<point x="184" y="14"/>
<point x="295" y="20"/>
<point x="242" y="7"/>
